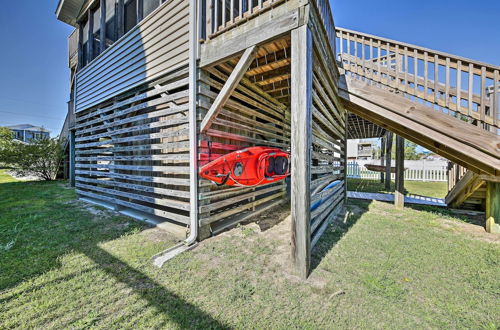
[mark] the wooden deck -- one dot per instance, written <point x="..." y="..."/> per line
<point x="198" y="79"/>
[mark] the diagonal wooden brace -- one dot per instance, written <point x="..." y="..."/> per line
<point x="228" y="88"/>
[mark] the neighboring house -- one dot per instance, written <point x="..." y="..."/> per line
<point x="359" y="149"/>
<point x="27" y="132"/>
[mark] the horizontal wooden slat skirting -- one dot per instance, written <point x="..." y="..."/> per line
<point x="133" y="150"/>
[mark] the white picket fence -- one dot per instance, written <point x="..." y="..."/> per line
<point x="354" y="170"/>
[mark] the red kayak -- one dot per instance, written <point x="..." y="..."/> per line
<point x="248" y="167"/>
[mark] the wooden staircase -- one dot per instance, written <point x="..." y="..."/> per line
<point x="445" y="103"/>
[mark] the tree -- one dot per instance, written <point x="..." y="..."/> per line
<point x="41" y="157"/>
<point x="411" y="152"/>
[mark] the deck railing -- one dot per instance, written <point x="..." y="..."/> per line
<point x="460" y="87"/>
<point x="221" y="15"/>
<point x="218" y="16"/>
<point x="455" y="174"/>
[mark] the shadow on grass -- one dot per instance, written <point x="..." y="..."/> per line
<point x="337" y="229"/>
<point x="471" y="217"/>
<point x="44" y="223"/>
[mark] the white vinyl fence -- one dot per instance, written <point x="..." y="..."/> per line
<point x="354" y="170"/>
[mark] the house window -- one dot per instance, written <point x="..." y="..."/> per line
<point x="85" y="43"/>
<point x="130" y="14"/>
<point x="110" y="22"/>
<point x="148" y="6"/>
<point x="96" y="32"/>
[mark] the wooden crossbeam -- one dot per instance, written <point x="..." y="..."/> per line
<point x="229" y="87"/>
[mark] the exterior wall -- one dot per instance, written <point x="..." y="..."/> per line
<point x="155" y="46"/>
<point x="133" y="151"/>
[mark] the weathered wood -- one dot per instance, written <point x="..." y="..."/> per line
<point x="382" y="156"/>
<point x="399" y="196"/>
<point x="493" y="207"/>
<point x="388" y="157"/>
<point x="219" y="50"/>
<point x="301" y="68"/>
<point x="433" y="130"/>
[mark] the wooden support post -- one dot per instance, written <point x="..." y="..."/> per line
<point x="346" y="117"/>
<point x="382" y="155"/>
<point x="388" y="156"/>
<point x="228" y="88"/>
<point x="72" y="158"/>
<point x="493" y="207"/>
<point x="301" y="90"/>
<point x="399" y="196"/>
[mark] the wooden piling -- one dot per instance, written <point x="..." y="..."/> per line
<point x="388" y="156"/>
<point x="301" y="91"/>
<point x="493" y="207"/>
<point x="399" y="197"/>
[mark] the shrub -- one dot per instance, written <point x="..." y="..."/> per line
<point x="41" y="157"/>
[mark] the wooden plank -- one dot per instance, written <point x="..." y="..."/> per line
<point x="471" y="87"/>
<point x="447" y="84"/>
<point x="388" y="157"/>
<point x="496" y="88"/>
<point x="459" y="86"/>
<point x="482" y="106"/>
<point x="399" y="195"/>
<point x="426" y="74"/>
<point x="436" y="79"/>
<point x="301" y="105"/>
<point x="493" y="207"/>
<point x="478" y="151"/>
<point x="150" y="210"/>
<point x="228" y="88"/>
<point x="220" y="50"/>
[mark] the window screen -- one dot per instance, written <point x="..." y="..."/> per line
<point x="110" y="22"/>
<point x="149" y="6"/>
<point x="96" y="32"/>
<point x="85" y="39"/>
<point x="130" y="14"/>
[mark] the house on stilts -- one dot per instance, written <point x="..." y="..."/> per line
<point x="159" y="88"/>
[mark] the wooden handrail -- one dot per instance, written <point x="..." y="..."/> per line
<point x="428" y="75"/>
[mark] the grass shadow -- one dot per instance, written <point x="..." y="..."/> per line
<point x="471" y="217"/>
<point x="337" y="229"/>
<point x="46" y="223"/>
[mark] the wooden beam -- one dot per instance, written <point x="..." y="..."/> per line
<point x="382" y="155"/>
<point x="222" y="48"/>
<point x="301" y="109"/>
<point x="399" y="196"/>
<point x="388" y="158"/>
<point x="228" y="88"/>
<point x="493" y="207"/>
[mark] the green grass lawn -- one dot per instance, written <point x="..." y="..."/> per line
<point x="430" y="189"/>
<point x="4" y="177"/>
<point x="74" y="266"/>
